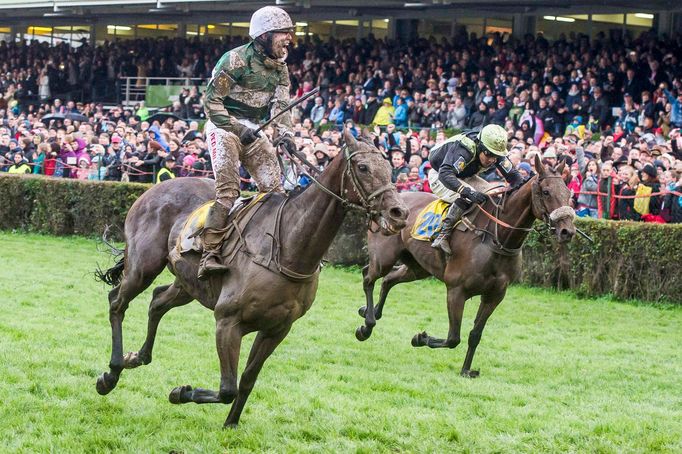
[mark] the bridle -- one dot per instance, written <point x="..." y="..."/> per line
<point x="367" y="199"/>
<point x="540" y="208"/>
<point x="540" y="211"/>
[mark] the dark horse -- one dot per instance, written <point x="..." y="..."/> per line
<point x="250" y="297"/>
<point x="484" y="262"/>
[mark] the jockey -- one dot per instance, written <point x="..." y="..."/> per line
<point x="249" y="85"/>
<point x="455" y="166"/>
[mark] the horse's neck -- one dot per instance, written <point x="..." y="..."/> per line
<point x="311" y="220"/>
<point x="517" y="212"/>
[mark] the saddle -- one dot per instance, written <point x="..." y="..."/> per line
<point x="240" y="215"/>
<point x="430" y="218"/>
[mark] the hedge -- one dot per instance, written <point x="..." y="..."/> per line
<point x="627" y="259"/>
<point x="65" y="206"/>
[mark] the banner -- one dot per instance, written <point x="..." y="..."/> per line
<point x="165" y="95"/>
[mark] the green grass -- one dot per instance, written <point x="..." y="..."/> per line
<point x="558" y="374"/>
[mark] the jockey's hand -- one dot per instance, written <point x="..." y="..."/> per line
<point x="247" y="136"/>
<point x="289" y="143"/>
<point x="474" y="196"/>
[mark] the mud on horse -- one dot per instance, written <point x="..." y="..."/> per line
<point x="484" y="261"/>
<point x="251" y="297"/>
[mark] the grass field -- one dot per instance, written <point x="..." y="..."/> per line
<point x="558" y="374"/>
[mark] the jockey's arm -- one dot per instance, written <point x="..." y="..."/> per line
<point x="455" y="160"/>
<point x="217" y="89"/>
<point x="508" y="171"/>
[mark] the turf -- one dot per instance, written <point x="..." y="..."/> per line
<point x="558" y="374"/>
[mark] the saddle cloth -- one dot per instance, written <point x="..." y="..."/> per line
<point x="190" y="240"/>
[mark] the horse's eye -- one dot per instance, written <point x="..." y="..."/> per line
<point x="545" y="192"/>
<point x="363" y="167"/>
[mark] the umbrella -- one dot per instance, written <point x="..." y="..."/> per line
<point x="163" y="116"/>
<point x="51" y="117"/>
<point x="73" y="116"/>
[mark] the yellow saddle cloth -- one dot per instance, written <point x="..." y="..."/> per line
<point x="429" y="220"/>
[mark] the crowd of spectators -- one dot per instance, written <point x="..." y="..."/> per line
<point x="611" y="108"/>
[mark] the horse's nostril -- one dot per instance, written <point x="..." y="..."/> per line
<point x="397" y="213"/>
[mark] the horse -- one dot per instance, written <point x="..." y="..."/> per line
<point x="485" y="259"/>
<point x="251" y="297"/>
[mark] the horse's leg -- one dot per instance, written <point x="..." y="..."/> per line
<point x="456" y="300"/>
<point x="228" y="342"/>
<point x="489" y="302"/>
<point x="165" y="298"/>
<point x="413" y="272"/>
<point x="262" y="348"/>
<point x="403" y="273"/>
<point x="120" y="297"/>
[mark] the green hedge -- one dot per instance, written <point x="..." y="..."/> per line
<point x="65" y="206"/>
<point x="626" y="260"/>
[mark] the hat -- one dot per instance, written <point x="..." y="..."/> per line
<point x="549" y="153"/>
<point x="395" y="149"/>
<point x="621" y="161"/>
<point x="387" y="101"/>
<point x="525" y="166"/>
<point x="116" y="139"/>
<point x="169" y="158"/>
<point x="649" y="170"/>
<point x="321" y="148"/>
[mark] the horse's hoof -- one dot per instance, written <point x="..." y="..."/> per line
<point x="106" y="383"/>
<point x="362" y="311"/>
<point x="230" y="426"/>
<point x="176" y="395"/>
<point x="470" y="373"/>
<point x="362" y="334"/>
<point x="419" y="339"/>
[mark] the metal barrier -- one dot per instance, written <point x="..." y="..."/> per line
<point x="134" y="89"/>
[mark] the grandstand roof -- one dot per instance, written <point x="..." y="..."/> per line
<point x="95" y="10"/>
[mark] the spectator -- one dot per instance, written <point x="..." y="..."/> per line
<point x="20" y="166"/>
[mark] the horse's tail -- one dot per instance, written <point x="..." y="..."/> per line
<point x="113" y="275"/>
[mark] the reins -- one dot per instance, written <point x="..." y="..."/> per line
<point x="365" y="198"/>
<point x="548" y="218"/>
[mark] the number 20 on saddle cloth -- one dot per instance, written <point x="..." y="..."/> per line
<point x="429" y="220"/>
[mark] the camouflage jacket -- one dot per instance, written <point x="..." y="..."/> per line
<point x="247" y="85"/>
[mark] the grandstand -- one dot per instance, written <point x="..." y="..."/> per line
<point x="98" y="20"/>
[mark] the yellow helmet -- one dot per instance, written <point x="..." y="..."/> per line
<point x="494" y="139"/>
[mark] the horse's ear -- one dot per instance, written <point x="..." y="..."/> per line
<point x="349" y="139"/>
<point x="560" y="168"/>
<point x="539" y="167"/>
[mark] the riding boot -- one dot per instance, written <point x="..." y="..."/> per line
<point x="212" y="235"/>
<point x="442" y="241"/>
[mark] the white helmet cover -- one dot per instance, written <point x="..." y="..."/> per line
<point x="269" y="19"/>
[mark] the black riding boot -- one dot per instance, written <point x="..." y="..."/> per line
<point x="212" y="235"/>
<point x="442" y="242"/>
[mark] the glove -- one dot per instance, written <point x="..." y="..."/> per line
<point x="474" y="196"/>
<point x="288" y="143"/>
<point x="247" y="136"/>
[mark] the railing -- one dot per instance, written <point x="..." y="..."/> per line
<point x="134" y="89"/>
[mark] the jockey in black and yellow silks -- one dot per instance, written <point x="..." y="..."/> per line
<point x="456" y="164"/>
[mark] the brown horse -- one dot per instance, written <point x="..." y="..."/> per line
<point x="266" y="298"/>
<point x="484" y="261"/>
